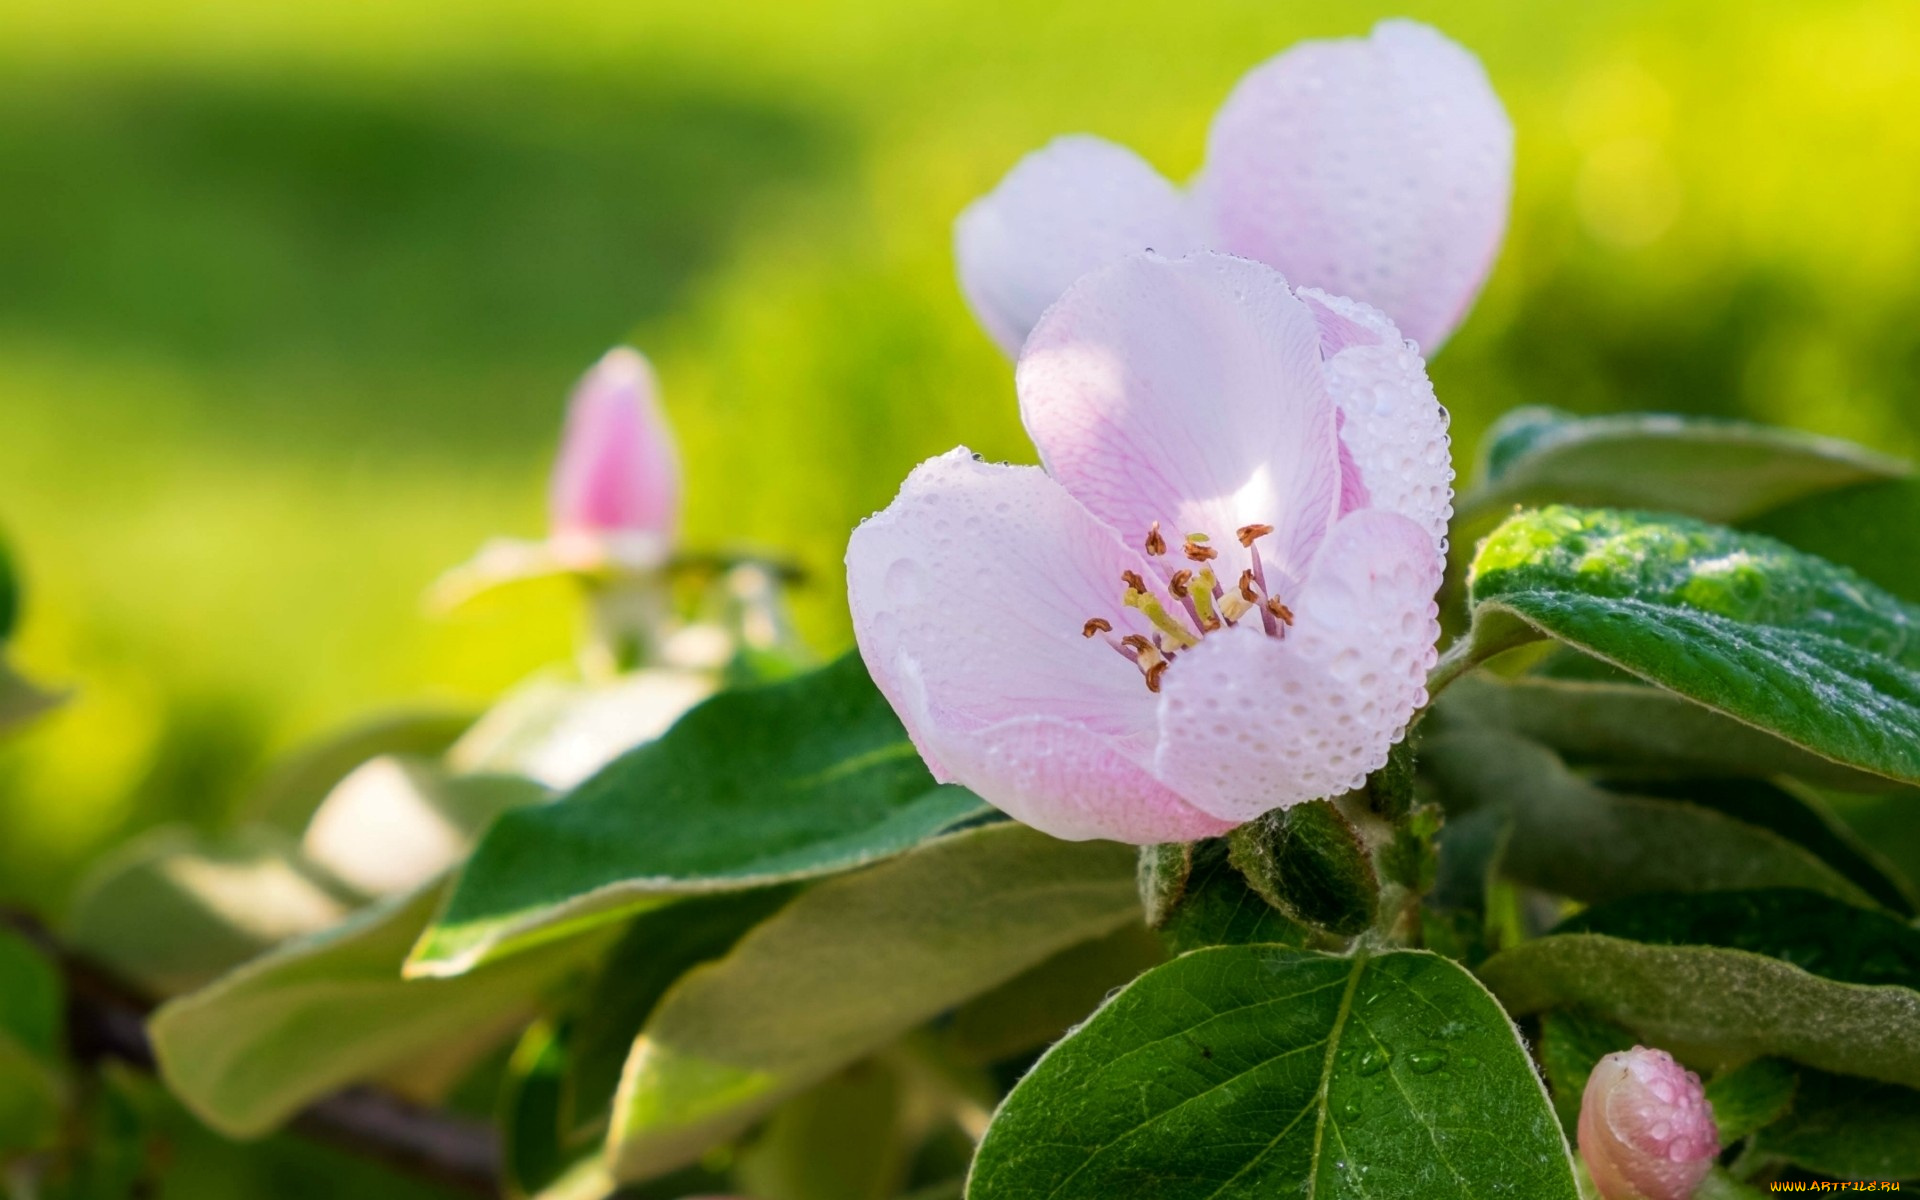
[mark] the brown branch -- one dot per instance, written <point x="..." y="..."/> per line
<point x="106" y="1020"/>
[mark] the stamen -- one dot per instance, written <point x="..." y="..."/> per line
<point x="1132" y="580"/>
<point x="1096" y="625"/>
<point x="1233" y="607"/>
<point x="1246" y="587"/>
<point x="1280" y="611"/>
<point x="1203" y="602"/>
<point x="1199" y="551"/>
<point x="1154" y="673"/>
<point x="1178" y="584"/>
<point x="1248" y="533"/>
<point x="1156" y="545"/>
<point x="1138" y="644"/>
<point x="1141" y="599"/>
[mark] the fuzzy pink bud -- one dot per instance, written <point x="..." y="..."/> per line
<point x="618" y="472"/>
<point x="1646" y="1129"/>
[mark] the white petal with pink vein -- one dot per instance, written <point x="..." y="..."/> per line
<point x="1378" y="168"/>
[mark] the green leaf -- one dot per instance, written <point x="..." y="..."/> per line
<point x="1800" y="815"/>
<point x="1847" y="1128"/>
<point x="1752" y="1095"/>
<point x="655" y="951"/>
<point x="561" y="732"/>
<point x="1874" y="529"/>
<point x="849" y="966"/>
<point x="9" y="594"/>
<point x="174" y="910"/>
<point x="1576" y="839"/>
<point x="1036" y="1007"/>
<point x="533" y="1153"/>
<point x="1309" y="862"/>
<point x="395" y="824"/>
<point x="287" y="797"/>
<point x="799" y="779"/>
<point x="316" y="1014"/>
<point x="1817" y="933"/>
<point x="1256" y="1071"/>
<point x="1742" y="624"/>
<point x="30" y="1039"/>
<point x="1716" y="469"/>
<point x="1571" y="1044"/>
<point x="1214" y="905"/>
<point x="1624" y="725"/>
<point x="842" y="1139"/>
<point x="1716" y="1007"/>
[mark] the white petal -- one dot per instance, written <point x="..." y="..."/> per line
<point x="1250" y="723"/>
<point x="1188" y="392"/>
<point x="1379" y="169"/>
<point x="1064" y="210"/>
<point x="977" y="580"/>
<point x="1063" y="780"/>
<point x="1393" y="430"/>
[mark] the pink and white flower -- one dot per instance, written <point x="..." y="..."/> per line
<point x="1646" y="1129"/>
<point x="618" y="473"/>
<point x="1217" y="597"/>
<point x="1377" y="168"/>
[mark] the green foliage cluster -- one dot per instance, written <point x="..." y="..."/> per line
<point x="767" y="952"/>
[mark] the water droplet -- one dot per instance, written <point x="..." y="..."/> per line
<point x="1426" y="1062"/>
<point x="1375" y="1060"/>
<point x="1351" y="1110"/>
<point x="1469" y="1062"/>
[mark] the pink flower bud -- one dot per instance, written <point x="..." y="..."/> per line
<point x="1646" y="1129"/>
<point x="618" y="472"/>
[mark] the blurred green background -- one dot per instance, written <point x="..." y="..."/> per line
<point x="291" y="295"/>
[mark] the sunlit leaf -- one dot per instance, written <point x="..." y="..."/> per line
<point x="848" y="967"/>
<point x="174" y="910"/>
<point x="290" y="793"/>
<point x="248" y="1051"/>
<point x="1742" y="624"/>
<point x="795" y="780"/>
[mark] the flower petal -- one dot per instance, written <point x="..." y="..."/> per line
<point x="1188" y="392"/>
<point x="1379" y="169"/>
<point x="1250" y="723"/>
<point x="1075" y="205"/>
<point x="1395" y="452"/>
<point x="1073" y="784"/>
<point x="618" y="471"/>
<point x="977" y="580"/>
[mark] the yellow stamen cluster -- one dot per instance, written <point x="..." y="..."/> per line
<point x="1209" y="606"/>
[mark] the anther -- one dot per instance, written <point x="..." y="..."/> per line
<point x="1198" y="551"/>
<point x="1248" y="533"/>
<point x="1096" y="625"/>
<point x="1137" y="643"/>
<point x="1246" y="587"/>
<point x="1132" y="579"/>
<point x="1154" y="673"/>
<point x="1281" y="612"/>
<point x="1178" y="584"/>
<point x="1155" y="543"/>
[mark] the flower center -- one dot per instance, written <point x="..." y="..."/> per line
<point x="1203" y="605"/>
